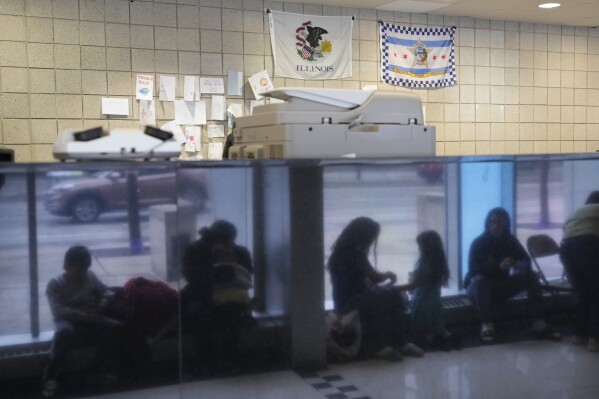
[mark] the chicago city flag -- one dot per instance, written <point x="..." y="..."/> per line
<point x="417" y="57"/>
<point x="309" y="46"/>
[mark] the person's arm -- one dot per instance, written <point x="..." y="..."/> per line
<point x="377" y="277"/>
<point x="523" y="262"/>
<point x="60" y="311"/>
<point x="481" y="261"/>
<point x="105" y="293"/>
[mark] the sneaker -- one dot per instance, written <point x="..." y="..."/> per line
<point x="388" y="353"/>
<point x="547" y="332"/>
<point x="49" y="388"/>
<point x="593" y="345"/>
<point x="412" y="350"/>
<point x="487" y="337"/>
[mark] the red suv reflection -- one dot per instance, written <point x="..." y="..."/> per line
<point x="84" y="199"/>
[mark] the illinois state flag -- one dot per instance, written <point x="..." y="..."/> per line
<point x="417" y="57"/>
<point x="309" y="46"/>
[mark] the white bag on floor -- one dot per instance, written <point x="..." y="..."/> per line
<point x="344" y="336"/>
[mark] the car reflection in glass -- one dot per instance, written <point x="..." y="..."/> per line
<point x="86" y="198"/>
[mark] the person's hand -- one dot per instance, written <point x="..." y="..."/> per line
<point x="507" y="263"/>
<point x="392" y="277"/>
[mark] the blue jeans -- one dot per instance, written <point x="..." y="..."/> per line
<point x="485" y="293"/>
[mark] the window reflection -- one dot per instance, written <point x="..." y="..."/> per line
<point x="404" y="199"/>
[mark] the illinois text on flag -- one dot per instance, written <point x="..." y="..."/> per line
<point x="417" y="57"/>
<point x="311" y="47"/>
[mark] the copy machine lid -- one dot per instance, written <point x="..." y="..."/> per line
<point x="336" y="97"/>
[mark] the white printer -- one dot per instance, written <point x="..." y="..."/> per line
<point x="326" y="123"/>
<point x="118" y="144"/>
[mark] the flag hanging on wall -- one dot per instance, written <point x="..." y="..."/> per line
<point x="417" y="57"/>
<point x="311" y="47"/>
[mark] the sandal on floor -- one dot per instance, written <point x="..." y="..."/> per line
<point x="547" y="332"/>
<point x="487" y="336"/>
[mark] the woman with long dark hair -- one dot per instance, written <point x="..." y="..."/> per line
<point x="356" y="287"/>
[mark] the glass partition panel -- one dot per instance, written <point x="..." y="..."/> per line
<point x="19" y="315"/>
<point x="483" y="186"/>
<point x="540" y="206"/>
<point x="405" y="199"/>
<point x="247" y="293"/>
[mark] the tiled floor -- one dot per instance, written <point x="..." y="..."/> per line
<point x="527" y="369"/>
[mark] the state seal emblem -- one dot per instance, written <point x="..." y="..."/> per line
<point x="309" y="43"/>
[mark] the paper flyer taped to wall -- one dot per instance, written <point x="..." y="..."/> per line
<point x="147" y="112"/>
<point x="167" y="89"/>
<point x="144" y="87"/>
<point x="260" y="83"/>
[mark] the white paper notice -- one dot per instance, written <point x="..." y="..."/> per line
<point x="115" y="106"/>
<point x="275" y="101"/>
<point x="234" y="83"/>
<point x="235" y="109"/>
<point x="215" y="151"/>
<point x="176" y="130"/>
<point x="254" y="104"/>
<point x="144" y="87"/>
<point x="217" y="110"/>
<point x="190" y="146"/>
<point x="193" y="138"/>
<point x="190" y="88"/>
<point x="216" y="131"/>
<point x="212" y="86"/>
<point x="147" y="112"/>
<point x="167" y="88"/>
<point x="260" y="83"/>
<point x="190" y="112"/>
<point x="199" y="114"/>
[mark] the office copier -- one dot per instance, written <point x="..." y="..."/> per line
<point x="324" y="123"/>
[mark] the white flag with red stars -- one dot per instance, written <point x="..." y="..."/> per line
<point x="417" y="57"/>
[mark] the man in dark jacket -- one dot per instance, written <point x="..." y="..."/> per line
<point x="499" y="268"/>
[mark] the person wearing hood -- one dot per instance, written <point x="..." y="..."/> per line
<point x="498" y="269"/>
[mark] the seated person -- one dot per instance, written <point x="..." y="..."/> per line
<point x="77" y="300"/>
<point x="500" y="268"/>
<point x="216" y="304"/>
<point x="357" y="286"/>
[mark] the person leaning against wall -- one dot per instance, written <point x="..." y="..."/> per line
<point x="579" y="252"/>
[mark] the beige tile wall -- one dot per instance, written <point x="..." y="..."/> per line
<point x="523" y="88"/>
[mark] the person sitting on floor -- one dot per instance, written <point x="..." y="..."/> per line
<point x="77" y="301"/>
<point x="500" y="268"/>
